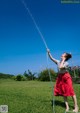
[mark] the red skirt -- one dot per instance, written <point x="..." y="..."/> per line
<point x="63" y="85"/>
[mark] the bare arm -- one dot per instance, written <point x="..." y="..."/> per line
<point x="53" y="59"/>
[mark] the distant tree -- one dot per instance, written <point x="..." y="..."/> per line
<point x="47" y="75"/>
<point x="29" y="75"/>
<point x="6" y="76"/>
<point x="26" y="74"/>
<point x="19" y="77"/>
<point x="74" y="71"/>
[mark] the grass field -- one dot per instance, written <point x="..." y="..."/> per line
<point x="32" y="97"/>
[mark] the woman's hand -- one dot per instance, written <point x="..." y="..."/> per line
<point x="48" y="50"/>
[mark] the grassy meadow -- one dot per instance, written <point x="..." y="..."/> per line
<point x="32" y="97"/>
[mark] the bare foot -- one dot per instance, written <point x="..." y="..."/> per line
<point x="76" y="109"/>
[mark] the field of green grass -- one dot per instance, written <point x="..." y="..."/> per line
<point x="32" y="97"/>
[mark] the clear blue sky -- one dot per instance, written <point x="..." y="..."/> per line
<point x="21" y="47"/>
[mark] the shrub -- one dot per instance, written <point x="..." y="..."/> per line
<point x="19" y="77"/>
<point x="46" y="75"/>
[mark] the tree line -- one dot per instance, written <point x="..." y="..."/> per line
<point x="44" y="75"/>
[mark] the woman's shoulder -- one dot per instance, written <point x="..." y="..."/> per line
<point x="66" y="64"/>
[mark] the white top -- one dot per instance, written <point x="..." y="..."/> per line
<point x="65" y="64"/>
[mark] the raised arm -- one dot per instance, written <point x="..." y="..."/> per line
<point x="63" y="64"/>
<point x="53" y="59"/>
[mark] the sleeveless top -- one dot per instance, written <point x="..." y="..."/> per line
<point x="65" y="65"/>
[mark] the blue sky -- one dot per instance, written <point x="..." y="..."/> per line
<point x="21" y="47"/>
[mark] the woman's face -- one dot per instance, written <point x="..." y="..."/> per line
<point x="63" y="56"/>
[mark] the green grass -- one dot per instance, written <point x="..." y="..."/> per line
<point x="32" y="97"/>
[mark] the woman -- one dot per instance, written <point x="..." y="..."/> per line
<point x="63" y="85"/>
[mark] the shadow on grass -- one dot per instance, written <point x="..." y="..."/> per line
<point x="59" y="103"/>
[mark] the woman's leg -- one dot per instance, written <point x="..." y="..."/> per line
<point x="75" y="103"/>
<point x="66" y="103"/>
